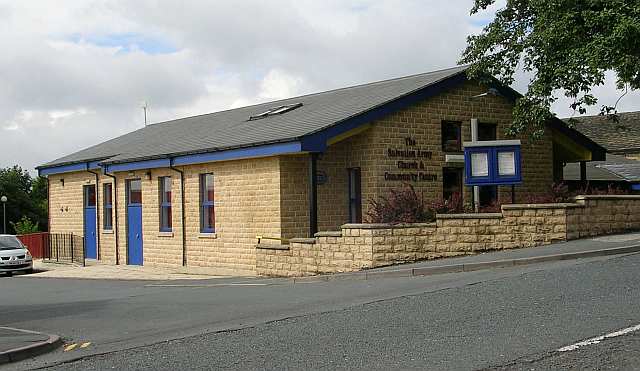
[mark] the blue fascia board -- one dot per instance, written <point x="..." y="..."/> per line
<point x="635" y="186"/>
<point x="199" y="158"/>
<point x="317" y="142"/>
<point x="137" y="165"/>
<point x="94" y="165"/>
<point x="240" y="153"/>
<point x="63" y="169"/>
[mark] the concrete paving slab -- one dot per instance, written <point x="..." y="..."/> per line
<point x="126" y="272"/>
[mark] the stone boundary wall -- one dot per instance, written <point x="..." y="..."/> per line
<point x="362" y="246"/>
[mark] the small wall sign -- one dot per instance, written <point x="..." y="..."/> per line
<point x="494" y="162"/>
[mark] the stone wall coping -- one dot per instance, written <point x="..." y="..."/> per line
<point x="560" y="205"/>
<point x="607" y="197"/>
<point x="329" y="234"/>
<point x="303" y="240"/>
<point x="470" y="216"/>
<point x="264" y="246"/>
<point x="387" y="226"/>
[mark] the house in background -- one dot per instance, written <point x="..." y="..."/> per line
<point x="620" y="136"/>
<point x="197" y="191"/>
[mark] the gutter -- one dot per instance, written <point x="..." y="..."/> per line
<point x="182" y="211"/>
<point x="114" y="197"/>
<point x="97" y="175"/>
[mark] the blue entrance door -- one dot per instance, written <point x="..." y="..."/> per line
<point x="134" y="222"/>
<point x="91" y="250"/>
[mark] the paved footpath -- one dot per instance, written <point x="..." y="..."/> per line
<point x="123" y="272"/>
<point x="17" y="344"/>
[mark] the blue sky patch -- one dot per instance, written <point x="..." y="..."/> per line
<point x="479" y="22"/>
<point x="127" y="42"/>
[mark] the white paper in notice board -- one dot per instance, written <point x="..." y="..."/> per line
<point x="506" y="163"/>
<point x="479" y="164"/>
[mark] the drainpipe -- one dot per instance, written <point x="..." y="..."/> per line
<point x="184" y="234"/>
<point x="48" y="205"/>
<point x="313" y="194"/>
<point x="97" y="175"/>
<point x="476" y="189"/>
<point x="114" y="196"/>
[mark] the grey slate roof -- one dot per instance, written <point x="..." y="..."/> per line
<point x="233" y="129"/>
<point x="617" y="137"/>
<point x="615" y="169"/>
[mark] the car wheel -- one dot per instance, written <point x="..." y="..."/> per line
<point x="28" y="271"/>
<point x="9" y="274"/>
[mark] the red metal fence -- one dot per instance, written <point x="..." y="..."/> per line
<point x="36" y="243"/>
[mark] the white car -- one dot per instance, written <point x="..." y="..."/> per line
<point x="14" y="256"/>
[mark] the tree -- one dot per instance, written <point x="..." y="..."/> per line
<point x="568" y="45"/>
<point x="40" y="199"/>
<point x="25" y="226"/>
<point x="26" y="197"/>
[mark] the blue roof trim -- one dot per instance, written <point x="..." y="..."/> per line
<point x="138" y="165"/>
<point x="94" y="165"/>
<point x="63" y="169"/>
<point x="317" y="142"/>
<point x="234" y="154"/>
<point x="635" y="187"/>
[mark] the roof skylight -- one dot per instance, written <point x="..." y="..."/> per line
<point x="276" y="111"/>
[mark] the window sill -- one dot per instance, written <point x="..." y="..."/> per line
<point x="165" y="234"/>
<point x="208" y="235"/>
<point x="107" y="231"/>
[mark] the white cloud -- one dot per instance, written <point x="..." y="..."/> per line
<point x="278" y="84"/>
<point x="75" y="74"/>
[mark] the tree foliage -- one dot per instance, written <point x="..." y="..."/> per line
<point x="568" y="46"/>
<point x="27" y="197"/>
<point x="24" y="226"/>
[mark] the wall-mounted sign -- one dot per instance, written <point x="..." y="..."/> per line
<point x="494" y="162"/>
<point x="412" y="159"/>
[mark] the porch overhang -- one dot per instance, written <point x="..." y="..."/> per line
<point x="569" y="145"/>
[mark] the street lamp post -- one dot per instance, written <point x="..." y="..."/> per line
<point x="4" y="214"/>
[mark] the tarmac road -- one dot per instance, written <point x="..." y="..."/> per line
<point x="505" y="319"/>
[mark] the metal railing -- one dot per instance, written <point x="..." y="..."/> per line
<point x="64" y="248"/>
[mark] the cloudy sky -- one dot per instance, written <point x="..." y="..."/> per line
<point x="75" y="73"/>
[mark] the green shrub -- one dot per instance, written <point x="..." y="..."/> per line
<point x="25" y="226"/>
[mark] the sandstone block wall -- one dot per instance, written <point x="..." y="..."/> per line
<point x="361" y="246"/>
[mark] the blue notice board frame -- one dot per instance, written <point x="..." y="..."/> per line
<point x="492" y="149"/>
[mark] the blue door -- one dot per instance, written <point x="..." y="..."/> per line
<point x="91" y="250"/>
<point x="134" y="222"/>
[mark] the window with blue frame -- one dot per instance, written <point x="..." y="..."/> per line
<point x="107" y="191"/>
<point x="207" y="210"/>
<point x="165" y="204"/>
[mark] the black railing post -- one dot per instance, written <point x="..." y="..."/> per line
<point x="57" y="248"/>
<point x="72" y="250"/>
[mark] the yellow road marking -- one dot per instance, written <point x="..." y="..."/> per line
<point x="70" y="347"/>
<point x="84" y="345"/>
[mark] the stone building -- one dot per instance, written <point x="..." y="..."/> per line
<point x="198" y="191"/>
<point x="619" y="134"/>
